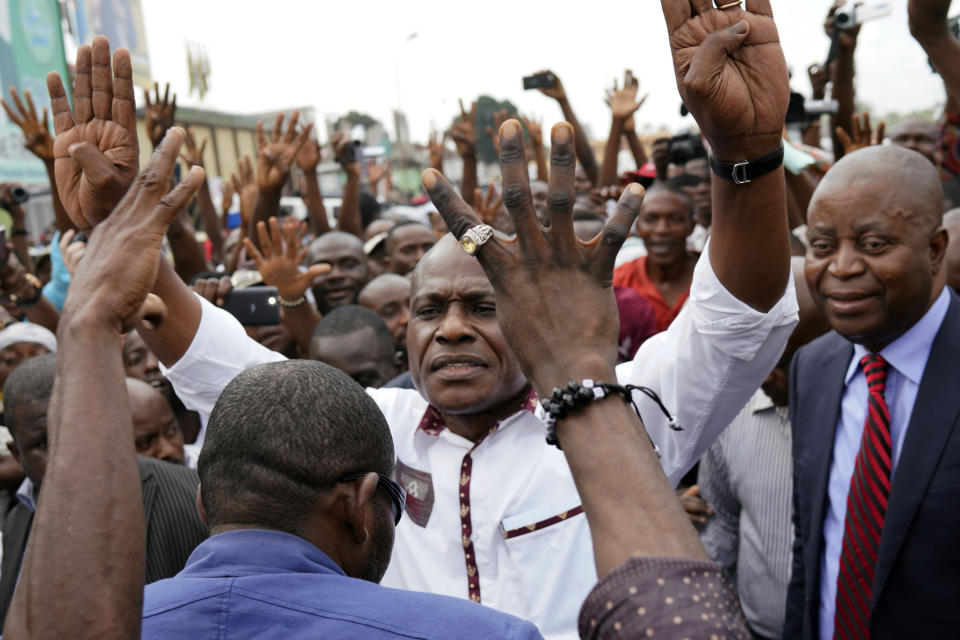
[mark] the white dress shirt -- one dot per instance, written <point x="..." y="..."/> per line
<point x="907" y="358"/>
<point x="528" y="551"/>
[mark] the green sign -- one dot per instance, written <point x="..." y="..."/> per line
<point x="31" y="45"/>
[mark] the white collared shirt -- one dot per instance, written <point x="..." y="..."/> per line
<point x="532" y="555"/>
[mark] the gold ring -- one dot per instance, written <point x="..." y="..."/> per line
<point x="730" y="5"/>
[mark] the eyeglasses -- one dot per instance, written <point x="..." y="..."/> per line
<point x="397" y="494"/>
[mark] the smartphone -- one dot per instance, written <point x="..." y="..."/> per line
<point x="254" y="306"/>
<point x="543" y="80"/>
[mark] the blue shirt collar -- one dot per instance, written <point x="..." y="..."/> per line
<point x="27" y="494"/>
<point x="909" y="353"/>
<point x="257" y="551"/>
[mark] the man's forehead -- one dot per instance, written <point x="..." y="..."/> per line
<point x="447" y="269"/>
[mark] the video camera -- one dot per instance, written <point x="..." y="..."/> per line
<point x="17" y="195"/>
<point x="801" y="110"/>
<point x="686" y="147"/>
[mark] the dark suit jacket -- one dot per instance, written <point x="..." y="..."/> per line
<point x="916" y="587"/>
<point x="174" y="527"/>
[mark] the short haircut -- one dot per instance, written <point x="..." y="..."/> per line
<point x="674" y="188"/>
<point x="350" y="319"/>
<point x="401" y="225"/>
<point x="685" y="180"/>
<point x="31" y="382"/>
<point x="280" y="436"/>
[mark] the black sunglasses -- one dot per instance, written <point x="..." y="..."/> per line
<point x="397" y="494"/>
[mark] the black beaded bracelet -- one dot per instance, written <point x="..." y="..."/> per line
<point x="564" y="402"/>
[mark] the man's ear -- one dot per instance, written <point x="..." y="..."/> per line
<point x="938" y="249"/>
<point x="14" y="450"/>
<point x="355" y="505"/>
<point x="200" y="509"/>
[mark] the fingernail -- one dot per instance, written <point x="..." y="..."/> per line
<point x="429" y="178"/>
<point x="561" y="133"/>
<point x="635" y="189"/>
<point x="740" y="28"/>
<point x="509" y="129"/>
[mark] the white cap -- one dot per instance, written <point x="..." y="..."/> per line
<point x="27" y="332"/>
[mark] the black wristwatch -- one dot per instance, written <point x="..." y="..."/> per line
<point x="748" y="170"/>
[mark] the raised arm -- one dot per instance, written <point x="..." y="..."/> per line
<point x="928" y="25"/>
<point x="535" y="129"/>
<point x="623" y="104"/>
<point x="349" y="219"/>
<point x="37" y="139"/>
<point x="307" y="159"/>
<point x="584" y="153"/>
<point x="732" y="77"/>
<point x="844" y="91"/>
<point x="464" y="135"/>
<point x="193" y="157"/>
<point x="83" y="572"/>
<point x="274" y="159"/>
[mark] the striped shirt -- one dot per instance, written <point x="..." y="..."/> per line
<point x="746" y="477"/>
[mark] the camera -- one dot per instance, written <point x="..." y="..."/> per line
<point x="685" y="147"/>
<point x="856" y="12"/>
<point x="801" y="110"/>
<point x="15" y="196"/>
<point x="543" y="80"/>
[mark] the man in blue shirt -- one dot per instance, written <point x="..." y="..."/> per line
<point x="295" y="486"/>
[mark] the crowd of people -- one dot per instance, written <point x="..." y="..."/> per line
<point x="710" y="398"/>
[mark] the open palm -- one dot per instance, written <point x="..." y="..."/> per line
<point x="96" y="150"/>
<point x="731" y="72"/>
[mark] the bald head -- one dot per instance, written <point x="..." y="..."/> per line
<point x="156" y="431"/>
<point x="918" y="135"/>
<point x="446" y="254"/>
<point x="899" y="177"/>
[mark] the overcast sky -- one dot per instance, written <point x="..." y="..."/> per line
<point x="337" y="56"/>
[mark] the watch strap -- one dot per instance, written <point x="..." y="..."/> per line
<point x="748" y="170"/>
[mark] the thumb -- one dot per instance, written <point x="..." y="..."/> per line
<point x="319" y="269"/>
<point x="711" y="56"/>
<point x="150" y="315"/>
<point x="95" y="165"/>
<point x="171" y="204"/>
<point x="692" y="491"/>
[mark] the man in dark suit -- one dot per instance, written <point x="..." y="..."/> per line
<point x="174" y="527"/>
<point x="875" y="408"/>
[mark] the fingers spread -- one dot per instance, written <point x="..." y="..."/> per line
<point x="124" y="108"/>
<point x="616" y="232"/>
<point x="277" y="129"/>
<point x="455" y="212"/>
<point x="81" y="98"/>
<point x="10" y="114"/>
<point x="101" y="79"/>
<point x="171" y="204"/>
<point x="155" y="178"/>
<point x="253" y="253"/>
<point x="291" y="127"/>
<point x="261" y="138"/>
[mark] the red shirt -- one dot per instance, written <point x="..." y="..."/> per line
<point x="638" y="321"/>
<point x="634" y="275"/>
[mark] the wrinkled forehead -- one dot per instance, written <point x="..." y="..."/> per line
<point x="448" y="270"/>
<point x="867" y="199"/>
<point x="334" y="250"/>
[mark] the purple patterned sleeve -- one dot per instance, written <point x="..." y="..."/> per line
<point x="664" y="598"/>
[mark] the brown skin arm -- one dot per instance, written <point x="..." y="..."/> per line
<point x="584" y="153"/>
<point x="188" y="258"/>
<point x="844" y="91"/>
<point x="628" y="502"/>
<point x="464" y="135"/>
<point x="17" y="235"/>
<point x="83" y="572"/>
<point x="741" y="114"/>
<point x="623" y="104"/>
<point x="636" y="148"/>
<point x="800" y="188"/>
<point x="307" y="159"/>
<point x="193" y="157"/>
<point x="928" y="24"/>
<point x="349" y="219"/>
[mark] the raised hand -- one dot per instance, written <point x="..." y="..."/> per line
<point x="281" y="257"/>
<point x="309" y="156"/>
<point x="377" y="172"/>
<point x="246" y="187"/>
<point x="213" y="290"/>
<point x="120" y="264"/>
<point x="623" y="102"/>
<point x="96" y="150"/>
<point x="556" y="91"/>
<point x="342" y="147"/>
<point x="488" y="206"/>
<point x="861" y="136"/>
<point x="36" y="131"/>
<point x="498" y="119"/>
<point x="193" y="155"/>
<point x="159" y="113"/>
<point x="226" y="195"/>
<point x="464" y="131"/>
<point x="548" y="275"/>
<point x="276" y="155"/>
<point x="71" y="251"/>
<point x="435" y="147"/>
<point x="534" y="128"/>
<point x="819" y="77"/>
<point x="731" y="74"/>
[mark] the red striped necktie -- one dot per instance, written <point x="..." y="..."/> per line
<point x="866" y="509"/>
